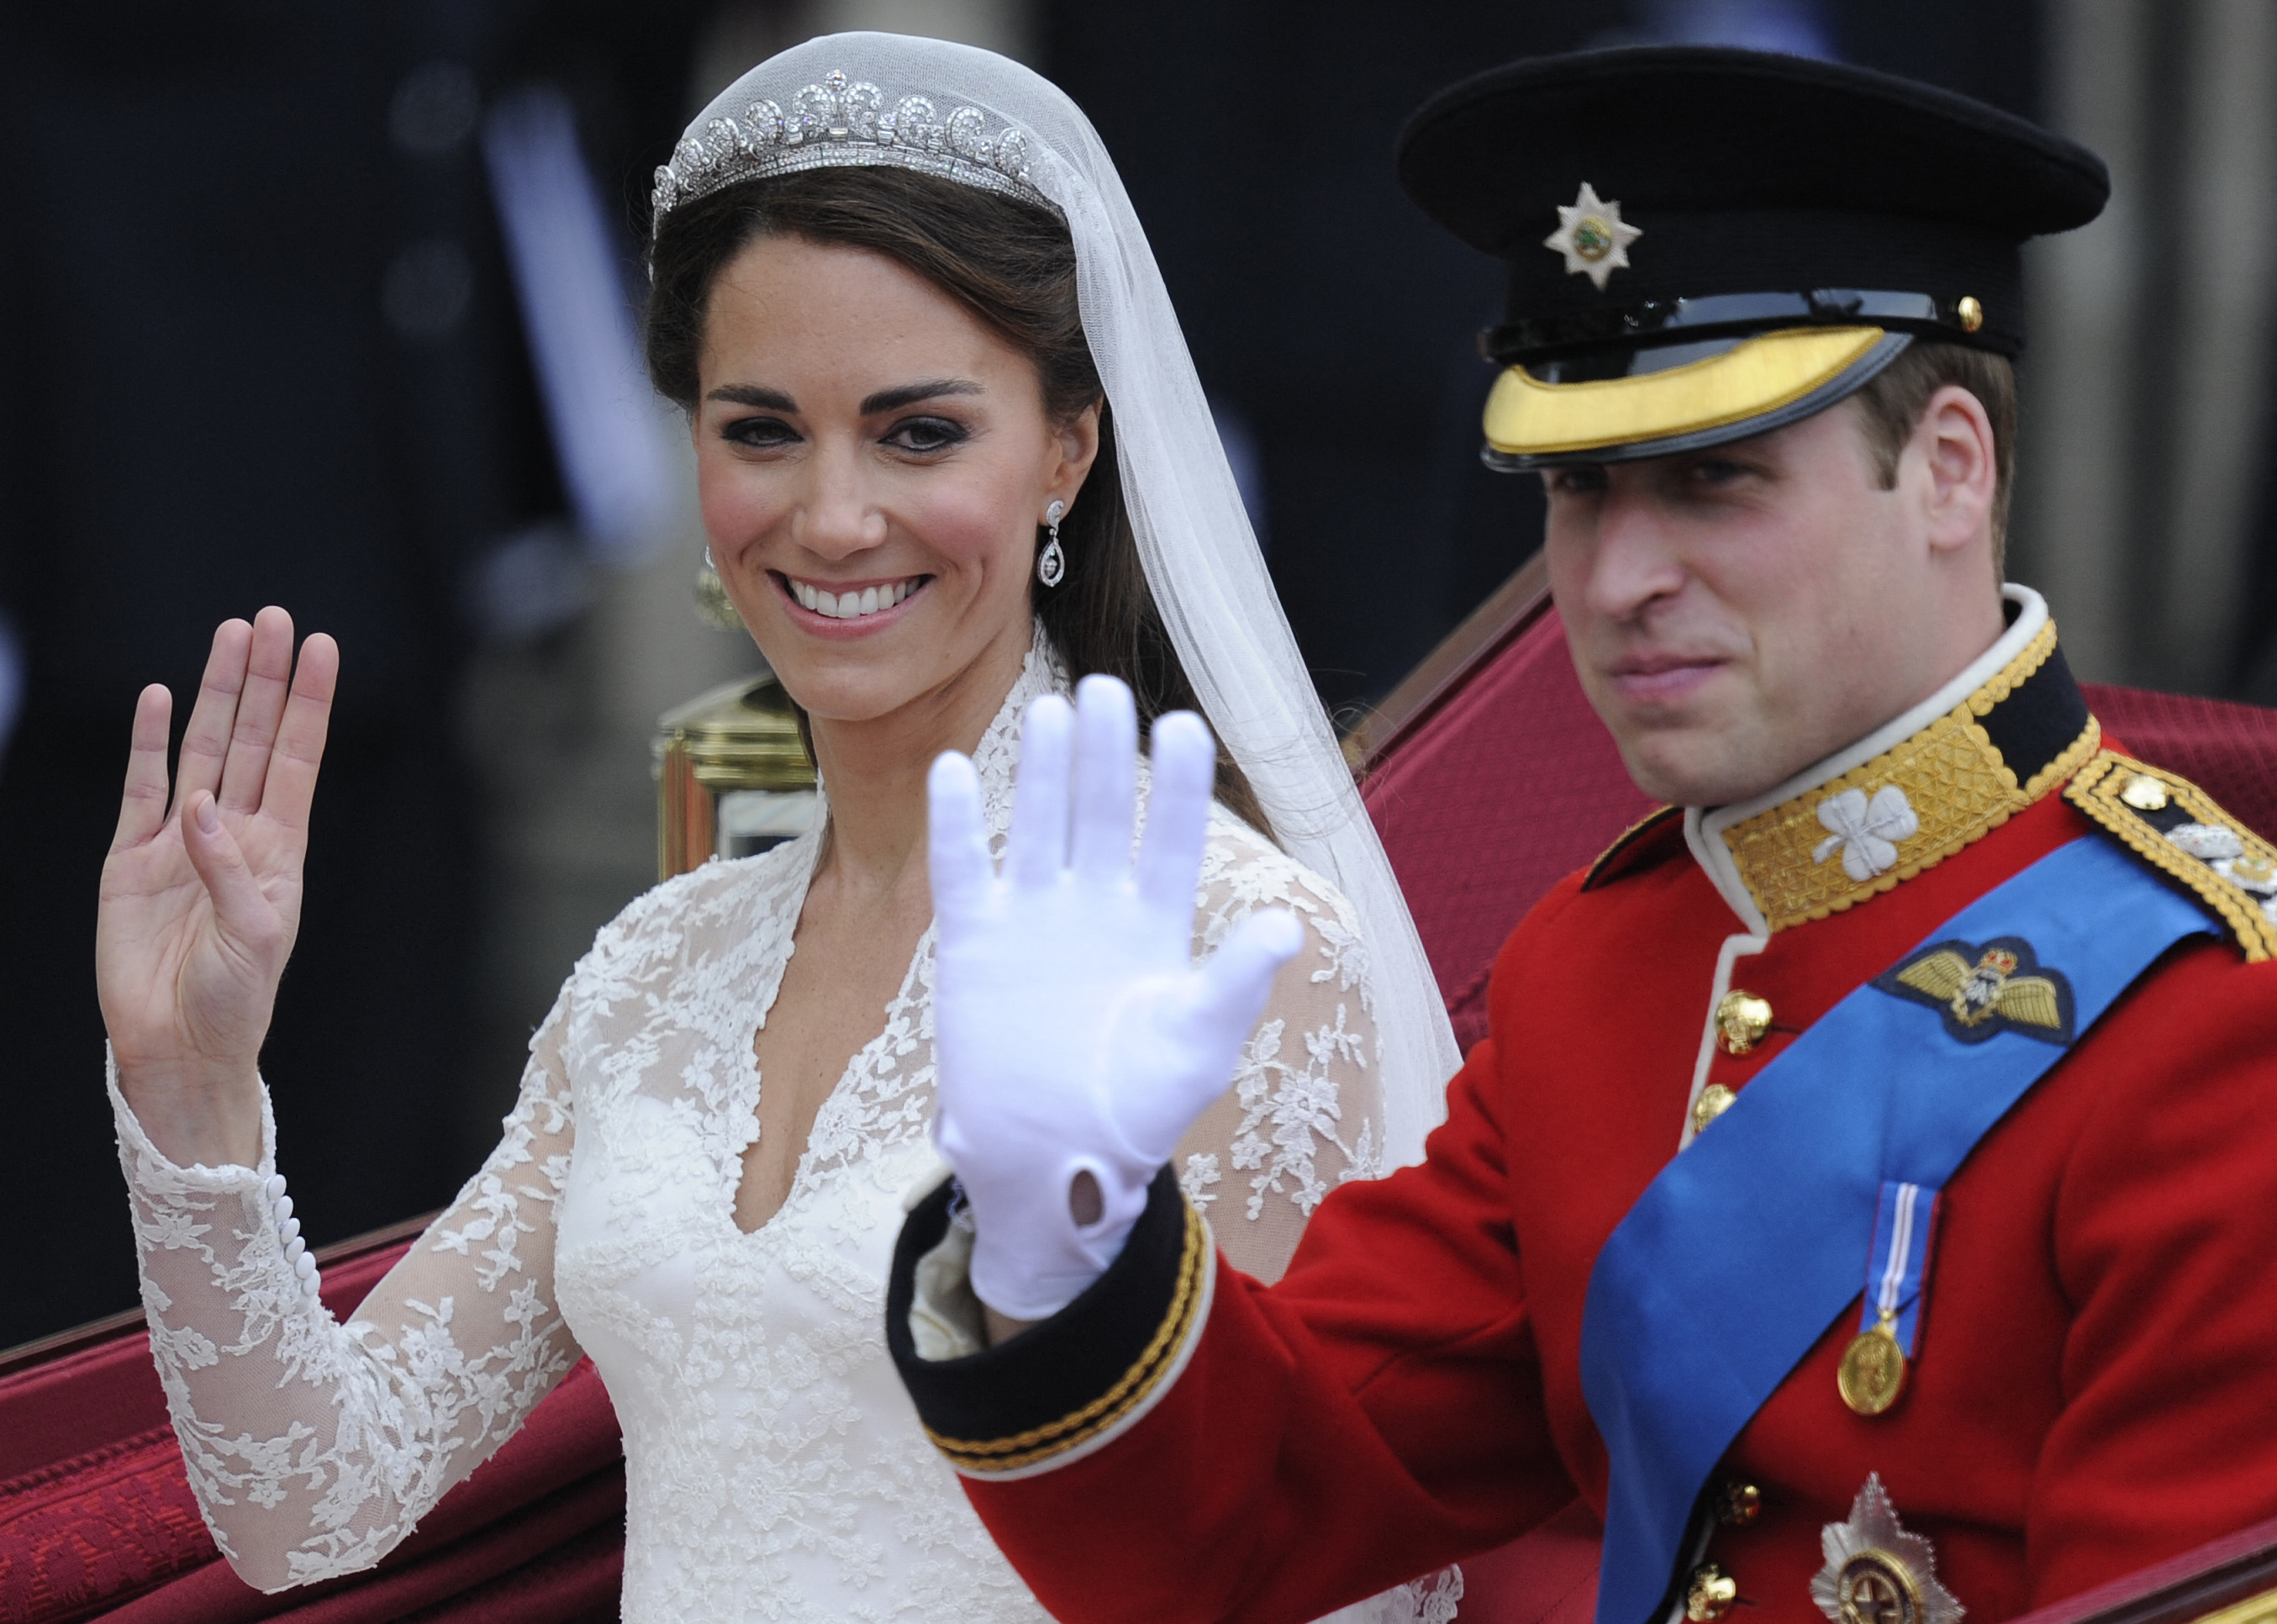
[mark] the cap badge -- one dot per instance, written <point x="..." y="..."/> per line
<point x="1592" y="236"/>
<point x="1876" y="1573"/>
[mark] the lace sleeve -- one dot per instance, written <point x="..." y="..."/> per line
<point x="1306" y="1112"/>
<point x="315" y="1447"/>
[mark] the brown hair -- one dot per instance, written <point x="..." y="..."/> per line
<point x="1892" y="402"/>
<point x="1012" y="265"/>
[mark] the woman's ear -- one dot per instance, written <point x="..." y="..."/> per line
<point x="1954" y="438"/>
<point x="1078" y="443"/>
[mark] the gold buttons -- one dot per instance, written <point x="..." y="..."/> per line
<point x="2144" y="793"/>
<point x="1741" y="1019"/>
<point x="1971" y="313"/>
<point x="1738" y="1504"/>
<point x="1714" y="1100"/>
<point x="1709" y="1594"/>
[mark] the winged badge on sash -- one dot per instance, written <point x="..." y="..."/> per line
<point x="1999" y="985"/>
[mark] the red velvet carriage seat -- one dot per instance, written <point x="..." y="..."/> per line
<point x="1490" y="779"/>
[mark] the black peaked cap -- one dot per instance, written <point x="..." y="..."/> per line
<point x="1746" y="171"/>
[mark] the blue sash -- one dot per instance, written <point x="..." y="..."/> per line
<point x="1739" y="1255"/>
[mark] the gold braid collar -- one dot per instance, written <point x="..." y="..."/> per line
<point x="1885" y="820"/>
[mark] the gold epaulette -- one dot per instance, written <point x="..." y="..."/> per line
<point x="1610" y="864"/>
<point x="2177" y="828"/>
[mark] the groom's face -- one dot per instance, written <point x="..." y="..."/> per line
<point x="1740" y="613"/>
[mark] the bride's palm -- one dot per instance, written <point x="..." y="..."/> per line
<point x="201" y="899"/>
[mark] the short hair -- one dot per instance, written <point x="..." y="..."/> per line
<point x="1892" y="402"/>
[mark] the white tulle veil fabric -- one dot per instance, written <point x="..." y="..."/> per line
<point x="975" y="116"/>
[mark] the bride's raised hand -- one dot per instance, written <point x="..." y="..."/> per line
<point x="200" y="896"/>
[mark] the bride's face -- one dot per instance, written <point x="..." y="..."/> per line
<point x="873" y="462"/>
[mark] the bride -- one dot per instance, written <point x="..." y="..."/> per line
<point x="952" y="455"/>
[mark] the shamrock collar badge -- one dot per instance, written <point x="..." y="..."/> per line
<point x="1592" y="236"/>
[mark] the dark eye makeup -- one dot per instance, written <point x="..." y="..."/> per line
<point x="926" y="434"/>
<point x="759" y="433"/>
<point x="917" y="436"/>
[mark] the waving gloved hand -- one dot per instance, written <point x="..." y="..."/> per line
<point x="1072" y="1030"/>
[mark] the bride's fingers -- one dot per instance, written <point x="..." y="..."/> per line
<point x="142" y="808"/>
<point x="259" y="705"/>
<point x="244" y="913"/>
<point x="292" y="786"/>
<point x="205" y="741"/>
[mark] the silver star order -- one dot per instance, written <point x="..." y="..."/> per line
<point x="1873" y="1532"/>
<point x="1592" y="236"/>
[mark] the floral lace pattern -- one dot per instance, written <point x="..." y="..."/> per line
<point x="776" y="1469"/>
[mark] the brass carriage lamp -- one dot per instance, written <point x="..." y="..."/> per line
<point x="733" y="777"/>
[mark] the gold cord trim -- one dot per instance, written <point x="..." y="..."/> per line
<point x="1109" y="1408"/>
<point x="2076" y="755"/>
<point x="2096" y="792"/>
<point x="1953" y="777"/>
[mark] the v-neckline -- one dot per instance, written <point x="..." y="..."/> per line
<point x="1039" y="674"/>
<point x="858" y="1064"/>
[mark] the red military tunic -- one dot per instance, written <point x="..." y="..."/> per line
<point x="2093" y="1389"/>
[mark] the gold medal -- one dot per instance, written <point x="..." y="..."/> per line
<point x="1873" y="1370"/>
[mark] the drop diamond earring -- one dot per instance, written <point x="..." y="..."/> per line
<point x="1051" y="564"/>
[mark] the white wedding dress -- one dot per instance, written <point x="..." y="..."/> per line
<point x="774" y="1467"/>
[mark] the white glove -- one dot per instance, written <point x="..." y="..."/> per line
<point x="1072" y="1030"/>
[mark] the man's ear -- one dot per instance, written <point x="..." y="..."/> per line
<point x="1953" y="441"/>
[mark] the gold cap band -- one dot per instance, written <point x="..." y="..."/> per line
<point x="1525" y="417"/>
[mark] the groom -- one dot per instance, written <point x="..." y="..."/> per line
<point x="1864" y="1198"/>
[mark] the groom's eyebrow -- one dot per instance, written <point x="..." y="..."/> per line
<point x="909" y="394"/>
<point x="751" y="395"/>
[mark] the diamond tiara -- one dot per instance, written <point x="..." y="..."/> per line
<point x="838" y="122"/>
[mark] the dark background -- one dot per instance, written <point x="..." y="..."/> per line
<point x="217" y="394"/>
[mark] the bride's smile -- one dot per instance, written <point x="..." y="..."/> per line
<point x="851" y="600"/>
